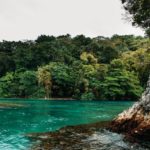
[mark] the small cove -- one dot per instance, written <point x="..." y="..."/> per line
<point x="42" y="116"/>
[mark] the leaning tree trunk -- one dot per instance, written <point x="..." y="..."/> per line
<point x="136" y="120"/>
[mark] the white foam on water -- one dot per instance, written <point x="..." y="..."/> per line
<point x="106" y="140"/>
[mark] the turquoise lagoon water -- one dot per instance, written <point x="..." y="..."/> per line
<point x="42" y="116"/>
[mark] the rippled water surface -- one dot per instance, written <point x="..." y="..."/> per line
<point x="41" y="116"/>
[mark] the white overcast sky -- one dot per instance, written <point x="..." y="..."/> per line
<point x="26" y="19"/>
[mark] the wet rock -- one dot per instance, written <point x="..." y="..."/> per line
<point x="82" y="137"/>
<point x="135" y="122"/>
<point x="68" y="138"/>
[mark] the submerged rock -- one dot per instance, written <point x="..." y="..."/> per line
<point x="82" y="137"/>
<point x="135" y="122"/>
<point x="67" y="138"/>
<point x="10" y="105"/>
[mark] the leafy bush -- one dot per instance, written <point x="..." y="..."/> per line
<point x="88" y="96"/>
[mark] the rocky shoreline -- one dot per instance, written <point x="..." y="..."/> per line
<point x="94" y="136"/>
<point x="135" y="122"/>
<point x="67" y="138"/>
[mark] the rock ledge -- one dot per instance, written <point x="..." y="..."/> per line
<point x="135" y="122"/>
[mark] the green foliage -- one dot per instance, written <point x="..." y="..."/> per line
<point x="79" y="67"/>
<point x="20" y="84"/>
<point x="137" y="61"/>
<point x="88" y="58"/>
<point x="140" y="11"/>
<point x="121" y="84"/>
<point x="44" y="79"/>
<point x="6" y="85"/>
<point x="6" y="63"/>
<point x="63" y="79"/>
<point x="88" y="96"/>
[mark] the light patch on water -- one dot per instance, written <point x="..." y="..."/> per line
<point x="102" y="116"/>
<point x="106" y="140"/>
<point x="14" y="142"/>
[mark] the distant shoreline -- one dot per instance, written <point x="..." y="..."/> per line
<point x="39" y="98"/>
<point x="63" y="99"/>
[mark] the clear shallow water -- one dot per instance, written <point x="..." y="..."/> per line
<point x="106" y="140"/>
<point x="42" y="116"/>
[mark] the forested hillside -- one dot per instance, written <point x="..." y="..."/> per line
<point x="84" y="68"/>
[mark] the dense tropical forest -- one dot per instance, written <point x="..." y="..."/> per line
<point x="78" y="67"/>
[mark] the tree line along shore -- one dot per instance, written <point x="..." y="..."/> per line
<point x="80" y="67"/>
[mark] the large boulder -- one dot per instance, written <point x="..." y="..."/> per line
<point x="135" y="122"/>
